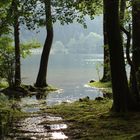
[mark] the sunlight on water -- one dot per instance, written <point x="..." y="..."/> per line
<point x="87" y="86"/>
<point x="37" y="128"/>
<point x="59" y="91"/>
<point x="59" y="135"/>
<point x="58" y="126"/>
<point x="51" y="118"/>
<point x="93" y="60"/>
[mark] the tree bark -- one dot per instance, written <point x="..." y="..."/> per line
<point x="135" y="49"/>
<point x="117" y="63"/>
<point x="17" y="46"/>
<point x="122" y="16"/>
<point x="42" y="74"/>
<point x="106" y="67"/>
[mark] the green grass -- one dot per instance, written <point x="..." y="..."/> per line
<point x="8" y="115"/>
<point x="100" y="84"/>
<point x="93" y="120"/>
<point x="3" y="85"/>
<point x="6" y="107"/>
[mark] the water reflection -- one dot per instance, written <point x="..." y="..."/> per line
<point x="58" y="136"/>
<point x="41" y="96"/>
<point x="36" y="127"/>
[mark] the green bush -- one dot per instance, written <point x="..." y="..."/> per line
<point x="7" y="60"/>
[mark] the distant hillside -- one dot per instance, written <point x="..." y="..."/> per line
<point x="72" y="38"/>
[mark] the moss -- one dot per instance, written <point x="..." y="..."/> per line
<point x="8" y="115"/>
<point x="31" y="88"/>
<point x="93" y="119"/>
<point x="3" y="85"/>
<point x="6" y="106"/>
<point x="100" y="84"/>
<point x="105" y="87"/>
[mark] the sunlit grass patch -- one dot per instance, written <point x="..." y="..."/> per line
<point x="100" y="84"/>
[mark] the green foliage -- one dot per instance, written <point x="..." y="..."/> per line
<point x="128" y="14"/>
<point x="8" y="114"/>
<point x="27" y="46"/>
<point x="4" y="28"/>
<point x="32" y="12"/>
<point x="3" y="100"/>
<point x="26" y="12"/>
<point x="90" y="7"/>
<point x="7" y="57"/>
<point x="68" y="11"/>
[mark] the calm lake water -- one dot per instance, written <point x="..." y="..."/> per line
<point x="68" y="72"/>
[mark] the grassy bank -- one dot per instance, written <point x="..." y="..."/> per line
<point x="100" y="84"/>
<point x="105" y="87"/>
<point x="9" y="112"/>
<point x="93" y="120"/>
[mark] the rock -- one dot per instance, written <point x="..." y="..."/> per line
<point x="32" y="89"/>
<point x="47" y="127"/>
<point x="99" y="98"/>
<point x="15" y="92"/>
<point x="107" y="95"/>
<point x="86" y="99"/>
<point x="91" y="81"/>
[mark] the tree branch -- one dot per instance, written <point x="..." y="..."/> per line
<point x="128" y="35"/>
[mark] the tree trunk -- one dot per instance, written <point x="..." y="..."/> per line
<point x="122" y="16"/>
<point x="117" y="64"/>
<point x="135" y="78"/>
<point x="17" y="46"/>
<point x="106" y="67"/>
<point x="122" y="11"/>
<point x="42" y="74"/>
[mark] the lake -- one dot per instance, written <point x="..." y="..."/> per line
<point x="68" y="72"/>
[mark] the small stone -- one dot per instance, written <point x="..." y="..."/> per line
<point x="92" y="81"/>
<point x="99" y="98"/>
<point x="47" y="127"/>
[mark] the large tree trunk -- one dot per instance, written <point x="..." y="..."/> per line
<point x="42" y="74"/>
<point x="135" y="78"/>
<point x="106" y="67"/>
<point x="17" y="46"/>
<point x="117" y="64"/>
